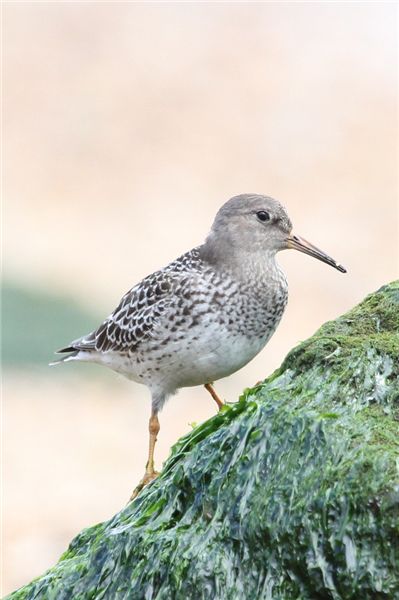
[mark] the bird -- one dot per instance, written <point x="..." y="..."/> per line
<point x="205" y="315"/>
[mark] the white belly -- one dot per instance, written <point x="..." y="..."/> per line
<point x="189" y="362"/>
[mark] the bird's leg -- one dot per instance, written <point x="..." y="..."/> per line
<point x="150" y="473"/>
<point x="214" y="395"/>
<point x="153" y="428"/>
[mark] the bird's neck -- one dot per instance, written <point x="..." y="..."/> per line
<point x="245" y="264"/>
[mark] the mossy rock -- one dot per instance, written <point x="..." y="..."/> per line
<point x="290" y="494"/>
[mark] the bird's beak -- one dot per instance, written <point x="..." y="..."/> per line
<point x="299" y="243"/>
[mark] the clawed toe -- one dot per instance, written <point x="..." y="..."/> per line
<point x="148" y="477"/>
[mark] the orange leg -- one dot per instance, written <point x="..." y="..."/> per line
<point x="150" y="473"/>
<point x="214" y="395"/>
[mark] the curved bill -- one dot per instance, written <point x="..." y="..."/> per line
<point x="299" y="243"/>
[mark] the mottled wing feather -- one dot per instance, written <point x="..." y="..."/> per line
<point x="135" y="318"/>
<point x="144" y="310"/>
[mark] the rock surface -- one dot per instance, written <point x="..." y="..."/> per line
<point x="291" y="493"/>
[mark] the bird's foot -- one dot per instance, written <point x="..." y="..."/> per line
<point x="148" y="477"/>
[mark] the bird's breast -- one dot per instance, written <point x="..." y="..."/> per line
<point x="219" y="328"/>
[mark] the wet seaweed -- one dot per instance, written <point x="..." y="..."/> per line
<point x="290" y="493"/>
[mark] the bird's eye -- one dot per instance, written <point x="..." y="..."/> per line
<point x="263" y="215"/>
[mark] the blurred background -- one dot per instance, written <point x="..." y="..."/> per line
<point x="125" y="127"/>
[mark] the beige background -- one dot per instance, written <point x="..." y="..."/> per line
<point x="126" y="126"/>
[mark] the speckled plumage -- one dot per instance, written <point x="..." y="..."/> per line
<point x="192" y="322"/>
<point x="208" y="313"/>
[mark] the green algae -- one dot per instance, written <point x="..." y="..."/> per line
<point x="292" y="493"/>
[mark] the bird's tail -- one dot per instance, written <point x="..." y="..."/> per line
<point x="87" y="342"/>
<point x="71" y="356"/>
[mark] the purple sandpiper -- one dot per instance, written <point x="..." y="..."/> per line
<point x="206" y="314"/>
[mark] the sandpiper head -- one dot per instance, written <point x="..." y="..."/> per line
<point x="250" y="222"/>
<point x="256" y="223"/>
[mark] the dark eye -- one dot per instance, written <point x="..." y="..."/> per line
<point x="263" y="215"/>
